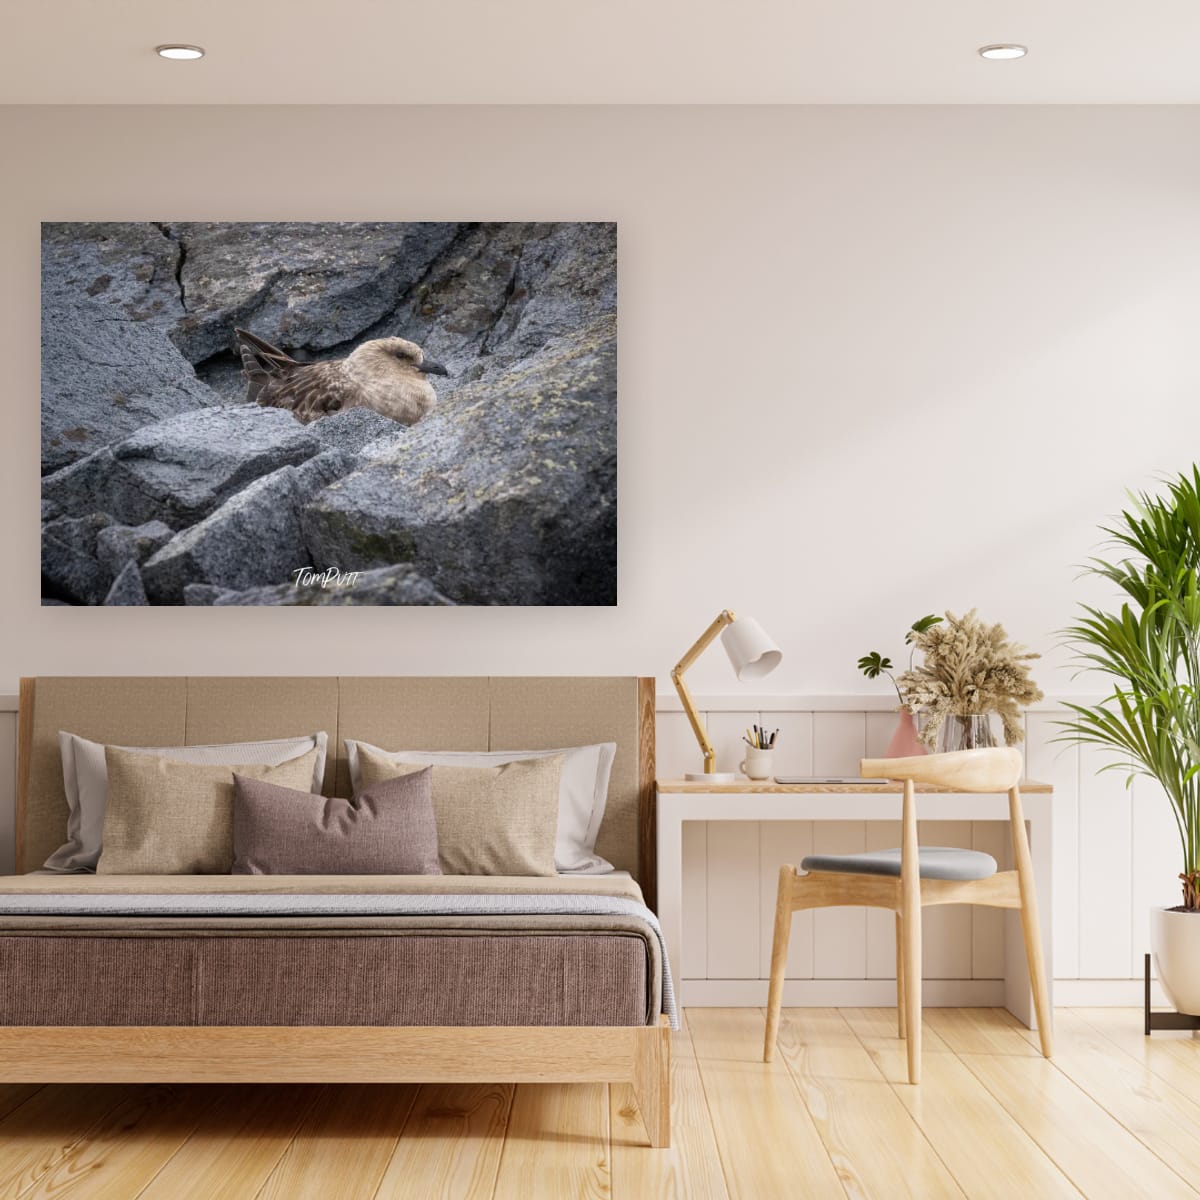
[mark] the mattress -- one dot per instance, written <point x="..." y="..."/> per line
<point x="329" y="950"/>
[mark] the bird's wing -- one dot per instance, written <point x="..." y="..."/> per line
<point x="271" y="358"/>
<point x="261" y="362"/>
<point x="310" y="390"/>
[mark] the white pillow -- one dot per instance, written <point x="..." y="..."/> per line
<point x="582" y="792"/>
<point x="85" y="780"/>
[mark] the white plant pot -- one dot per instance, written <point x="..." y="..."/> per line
<point x="1175" y="944"/>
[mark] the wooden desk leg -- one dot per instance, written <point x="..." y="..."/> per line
<point x="670" y="886"/>
<point x="1018" y="996"/>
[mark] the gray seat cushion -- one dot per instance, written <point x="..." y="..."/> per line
<point x="937" y="862"/>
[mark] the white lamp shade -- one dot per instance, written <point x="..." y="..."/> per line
<point x="750" y="648"/>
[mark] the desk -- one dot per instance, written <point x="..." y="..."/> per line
<point x="679" y="801"/>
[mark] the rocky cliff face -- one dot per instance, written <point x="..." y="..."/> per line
<point x="161" y="486"/>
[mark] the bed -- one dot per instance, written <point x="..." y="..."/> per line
<point x="347" y="978"/>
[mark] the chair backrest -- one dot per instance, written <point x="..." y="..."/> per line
<point x="995" y="769"/>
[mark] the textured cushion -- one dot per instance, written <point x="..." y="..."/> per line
<point x="85" y="782"/>
<point x="490" y="820"/>
<point x="937" y="862"/>
<point x="174" y="818"/>
<point x="388" y="829"/>
<point x="582" y="791"/>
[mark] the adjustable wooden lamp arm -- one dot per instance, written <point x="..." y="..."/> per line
<point x="725" y="617"/>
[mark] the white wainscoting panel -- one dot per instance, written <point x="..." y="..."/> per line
<point x="1058" y="764"/>
<point x="780" y="843"/>
<point x="1116" y="853"/>
<point x="1105" y="870"/>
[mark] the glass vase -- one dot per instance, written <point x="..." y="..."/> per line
<point x="966" y="733"/>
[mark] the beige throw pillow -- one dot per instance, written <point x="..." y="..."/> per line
<point x="85" y="780"/>
<point x="500" y="820"/>
<point x="173" y="818"/>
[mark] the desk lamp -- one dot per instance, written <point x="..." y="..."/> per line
<point x="753" y="655"/>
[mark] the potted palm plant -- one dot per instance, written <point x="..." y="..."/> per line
<point x="1149" y="648"/>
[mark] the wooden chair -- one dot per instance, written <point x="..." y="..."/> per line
<point x="907" y="879"/>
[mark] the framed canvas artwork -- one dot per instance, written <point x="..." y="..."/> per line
<point x="331" y="413"/>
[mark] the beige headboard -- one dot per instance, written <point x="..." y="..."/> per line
<point x="437" y="713"/>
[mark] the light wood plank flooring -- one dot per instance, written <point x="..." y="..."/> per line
<point x="1114" y="1115"/>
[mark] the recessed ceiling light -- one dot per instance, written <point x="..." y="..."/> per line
<point x="1003" y="50"/>
<point x="179" y="51"/>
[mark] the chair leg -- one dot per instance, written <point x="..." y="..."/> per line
<point x="1031" y="928"/>
<point x="900" y="1028"/>
<point x="779" y="949"/>
<point x="910" y="930"/>
<point x="911" y="953"/>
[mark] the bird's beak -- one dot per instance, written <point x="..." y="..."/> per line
<point x="430" y="366"/>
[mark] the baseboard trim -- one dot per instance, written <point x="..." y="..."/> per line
<point x="838" y="993"/>
<point x="881" y="993"/>
<point x="1106" y="993"/>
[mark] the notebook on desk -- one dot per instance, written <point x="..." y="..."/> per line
<point x="855" y="780"/>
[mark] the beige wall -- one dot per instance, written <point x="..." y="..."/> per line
<point x="874" y="361"/>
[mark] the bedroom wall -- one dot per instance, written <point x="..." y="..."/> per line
<point x="874" y="361"/>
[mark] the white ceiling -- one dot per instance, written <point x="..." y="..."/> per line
<point x="601" y="51"/>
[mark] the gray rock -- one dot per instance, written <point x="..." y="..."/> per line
<point x="506" y="495"/>
<point x="399" y="585"/>
<point x="118" y="545"/>
<point x="110" y="297"/>
<point x="500" y="291"/>
<point x="181" y="469"/>
<point x="381" y="447"/>
<point x="320" y="471"/>
<point x="104" y="377"/>
<point x="70" y="571"/>
<point x="129" y="267"/>
<point x="253" y="539"/>
<point x="127" y="589"/>
<point x="297" y="284"/>
<point x="353" y="429"/>
<point x="199" y="594"/>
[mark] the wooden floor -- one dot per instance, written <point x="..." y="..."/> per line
<point x="1113" y="1115"/>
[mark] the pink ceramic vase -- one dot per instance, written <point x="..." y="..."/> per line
<point x="904" y="743"/>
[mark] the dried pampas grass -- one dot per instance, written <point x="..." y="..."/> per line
<point x="970" y="668"/>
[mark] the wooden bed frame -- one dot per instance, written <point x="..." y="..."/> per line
<point x="638" y="1055"/>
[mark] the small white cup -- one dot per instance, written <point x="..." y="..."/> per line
<point x="758" y="764"/>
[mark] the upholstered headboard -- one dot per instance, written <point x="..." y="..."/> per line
<point x="437" y="713"/>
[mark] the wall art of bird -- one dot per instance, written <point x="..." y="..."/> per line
<point x="388" y="374"/>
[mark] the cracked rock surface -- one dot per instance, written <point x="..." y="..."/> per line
<point x="504" y="494"/>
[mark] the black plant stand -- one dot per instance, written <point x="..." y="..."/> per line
<point x="1166" y="1020"/>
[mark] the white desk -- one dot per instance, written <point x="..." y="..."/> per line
<point x="679" y="801"/>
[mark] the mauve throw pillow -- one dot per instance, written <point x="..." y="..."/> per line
<point x="389" y="829"/>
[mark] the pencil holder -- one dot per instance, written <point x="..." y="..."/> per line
<point x="758" y="764"/>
